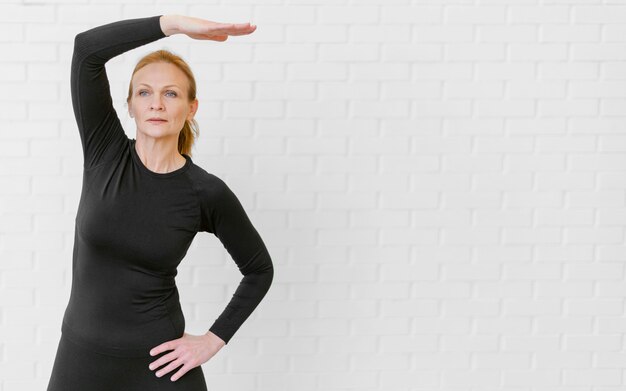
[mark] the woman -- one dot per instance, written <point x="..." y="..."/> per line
<point x="142" y="203"/>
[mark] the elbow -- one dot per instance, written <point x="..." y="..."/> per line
<point x="79" y="44"/>
<point x="263" y="273"/>
<point x="268" y="265"/>
<point x="82" y="42"/>
<point x="79" y="39"/>
<point x="265" y="269"/>
<point x="270" y="274"/>
<point x="259" y="263"/>
<point x="268" y="270"/>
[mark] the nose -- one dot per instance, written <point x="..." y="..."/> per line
<point x="156" y="103"/>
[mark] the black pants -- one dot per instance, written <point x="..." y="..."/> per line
<point x="77" y="368"/>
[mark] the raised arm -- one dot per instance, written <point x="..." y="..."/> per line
<point x="224" y="216"/>
<point x="100" y="129"/>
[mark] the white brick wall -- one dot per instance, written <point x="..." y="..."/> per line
<point x="441" y="185"/>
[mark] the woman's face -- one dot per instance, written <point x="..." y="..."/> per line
<point x="160" y="91"/>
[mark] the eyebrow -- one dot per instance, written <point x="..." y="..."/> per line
<point x="169" y="85"/>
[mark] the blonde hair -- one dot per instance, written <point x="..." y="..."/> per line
<point x="190" y="130"/>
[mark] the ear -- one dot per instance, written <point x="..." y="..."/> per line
<point x="193" y="108"/>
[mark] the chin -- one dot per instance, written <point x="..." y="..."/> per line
<point x="156" y="131"/>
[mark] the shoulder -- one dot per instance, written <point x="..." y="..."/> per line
<point x="207" y="185"/>
<point x="219" y="206"/>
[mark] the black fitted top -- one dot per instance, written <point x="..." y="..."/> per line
<point x="133" y="226"/>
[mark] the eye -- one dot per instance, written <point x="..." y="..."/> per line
<point x="174" y="94"/>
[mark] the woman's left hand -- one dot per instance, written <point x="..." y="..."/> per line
<point x="189" y="351"/>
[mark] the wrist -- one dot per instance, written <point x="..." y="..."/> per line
<point x="211" y="336"/>
<point x="169" y="24"/>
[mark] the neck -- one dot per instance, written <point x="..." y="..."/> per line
<point x="159" y="155"/>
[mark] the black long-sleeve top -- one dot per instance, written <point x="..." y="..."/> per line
<point x="133" y="226"/>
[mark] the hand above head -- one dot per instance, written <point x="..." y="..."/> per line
<point x="203" y="29"/>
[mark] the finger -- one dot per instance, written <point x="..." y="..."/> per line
<point x="173" y="365"/>
<point x="226" y="26"/>
<point x="212" y="37"/>
<point x="223" y="28"/>
<point x="162" y="360"/>
<point x="240" y="25"/>
<point x="184" y="369"/>
<point x="241" y="28"/>
<point x="232" y="28"/>
<point x="161" y="348"/>
<point x="243" y="32"/>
